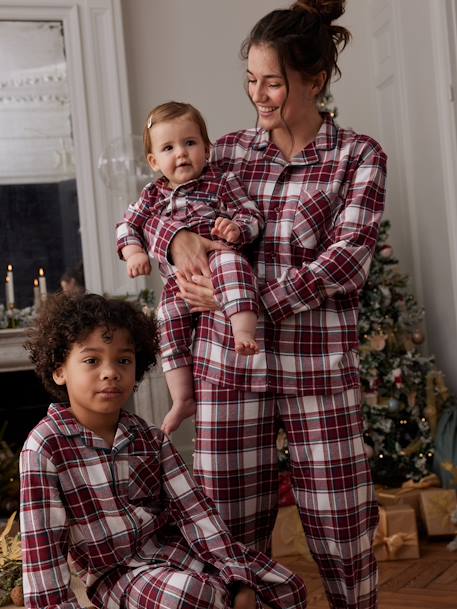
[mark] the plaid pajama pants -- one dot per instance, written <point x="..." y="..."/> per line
<point x="235" y="289"/>
<point x="236" y="463"/>
<point x="169" y="587"/>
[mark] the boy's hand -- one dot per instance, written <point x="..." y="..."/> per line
<point x="226" y="229"/>
<point x="138" y="264"/>
<point x="245" y="599"/>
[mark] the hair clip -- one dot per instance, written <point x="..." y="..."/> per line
<point x="149" y="123"/>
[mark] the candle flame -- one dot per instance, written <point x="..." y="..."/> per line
<point x="10" y="267"/>
<point x="35" y="282"/>
<point x="41" y="273"/>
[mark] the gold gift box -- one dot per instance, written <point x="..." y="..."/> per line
<point x="437" y="507"/>
<point x="396" y="536"/>
<point x="288" y="538"/>
<point x="408" y="494"/>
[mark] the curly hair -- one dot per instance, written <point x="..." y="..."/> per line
<point x="66" y="319"/>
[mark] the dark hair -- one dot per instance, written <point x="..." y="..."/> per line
<point x="64" y="320"/>
<point x="75" y="273"/>
<point x="169" y="111"/>
<point x="303" y="37"/>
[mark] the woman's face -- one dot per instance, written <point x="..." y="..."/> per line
<point x="268" y="91"/>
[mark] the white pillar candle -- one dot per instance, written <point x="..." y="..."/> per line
<point x="10" y="276"/>
<point x="9" y="292"/>
<point x="36" y="293"/>
<point x="42" y="284"/>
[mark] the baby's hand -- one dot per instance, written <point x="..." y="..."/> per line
<point x="226" y="229"/>
<point x="138" y="264"/>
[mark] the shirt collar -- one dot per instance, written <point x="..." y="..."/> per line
<point x="68" y="425"/>
<point x="326" y="139"/>
<point x="165" y="189"/>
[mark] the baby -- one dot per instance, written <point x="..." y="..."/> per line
<point x="193" y="195"/>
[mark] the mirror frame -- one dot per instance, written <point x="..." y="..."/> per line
<point x="97" y="79"/>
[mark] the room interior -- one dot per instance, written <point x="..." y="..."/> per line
<point x="73" y="108"/>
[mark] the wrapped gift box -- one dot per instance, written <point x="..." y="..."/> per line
<point x="288" y="538"/>
<point x="396" y="536"/>
<point x="437" y="507"/>
<point x="408" y="494"/>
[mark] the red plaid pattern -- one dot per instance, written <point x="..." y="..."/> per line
<point x="235" y="289"/>
<point x="121" y="512"/>
<point x="236" y="463"/>
<point x="195" y="206"/>
<point x="322" y="211"/>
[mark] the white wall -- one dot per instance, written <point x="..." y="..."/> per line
<point x="389" y="90"/>
<point x="189" y="51"/>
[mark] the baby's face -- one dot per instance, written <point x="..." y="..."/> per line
<point x="178" y="150"/>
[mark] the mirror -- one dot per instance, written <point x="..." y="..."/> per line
<point x="38" y="190"/>
<point x="85" y="44"/>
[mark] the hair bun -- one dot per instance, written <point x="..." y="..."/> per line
<point x="327" y="10"/>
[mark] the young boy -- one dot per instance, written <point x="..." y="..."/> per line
<point x="106" y="492"/>
<point x="200" y="198"/>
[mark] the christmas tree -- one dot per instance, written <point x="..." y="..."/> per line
<point x="403" y="392"/>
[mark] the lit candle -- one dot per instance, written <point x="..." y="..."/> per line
<point x="9" y="289"/>
<point x="11" y="277"/>
<point x="42" y="284"/>
<point x="36" y="293"/>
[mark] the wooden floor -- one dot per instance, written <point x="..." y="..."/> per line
<point x="427" y="583"/>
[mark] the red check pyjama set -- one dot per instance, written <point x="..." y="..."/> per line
<point x="322" y="211"/>
<point x="195" y="205"/>
<point x="137" y="529"/>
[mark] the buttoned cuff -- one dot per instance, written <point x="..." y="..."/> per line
<point x="247" y="232"/>
<point x="233" y="572"/>
<point x="125" y="241"/>
<point x="278" y="303"/>
<point x="239" y="306"/>
<point x="173" y="362"/>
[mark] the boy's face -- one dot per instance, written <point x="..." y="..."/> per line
<point x="178" y="150"/>
<point x="99" y="374"/>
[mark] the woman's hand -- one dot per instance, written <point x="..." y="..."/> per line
<point x="198" y="292"/>
<point x="189" y="252"/>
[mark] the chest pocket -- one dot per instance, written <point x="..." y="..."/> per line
<point x="315" y="215"/>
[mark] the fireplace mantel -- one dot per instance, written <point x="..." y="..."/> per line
<point x="13" y="356"/>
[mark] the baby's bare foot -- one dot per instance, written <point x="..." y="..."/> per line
<point x="176" y="416"/>
<point x="245" y="344"/>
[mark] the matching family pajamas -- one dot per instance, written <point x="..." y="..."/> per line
<point x="196" y="205"/>
<point x="135" y="527"/>
<point x="322" y="211"/>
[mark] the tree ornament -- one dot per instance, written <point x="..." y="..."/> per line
<point x="417" y="337"/>
<point x="393" y="405"/>
<point x="386" y="294"/>
<point x="377" y="342"/>
<point x="386" y="251"/>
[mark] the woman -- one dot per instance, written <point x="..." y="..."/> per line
<point x="321" y="190"/>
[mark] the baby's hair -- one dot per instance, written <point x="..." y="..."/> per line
<point x="168" y="112"/>
<point x="65" y="320"/>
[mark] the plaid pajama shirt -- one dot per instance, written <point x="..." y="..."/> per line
<point x="195" y="205"/>
<point x="133" y="524"/>
<point x="322" y="211"/>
